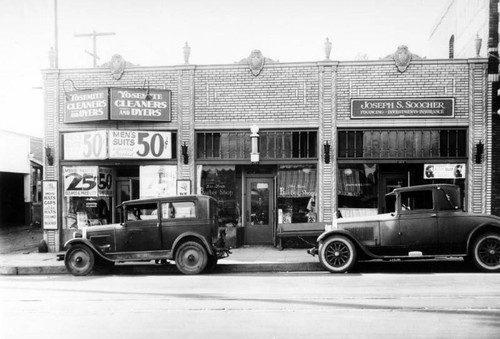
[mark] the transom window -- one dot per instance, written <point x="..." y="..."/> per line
<point x="284" y="144"/>
<point x="383" y="144"/>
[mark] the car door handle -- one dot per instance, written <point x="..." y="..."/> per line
<point x="433" y="215"/>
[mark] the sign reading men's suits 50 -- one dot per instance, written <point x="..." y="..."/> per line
<point x="115" y="144"/>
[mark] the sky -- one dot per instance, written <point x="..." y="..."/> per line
<point x="153" y="32"/>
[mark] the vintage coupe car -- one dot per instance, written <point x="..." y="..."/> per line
<point x="180" y="228"/>
<point x="426" y="222"/>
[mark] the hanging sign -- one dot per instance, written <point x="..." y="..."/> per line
<point x="49" y="210"/>
<point x="140" y="145"/>
<point x="140" y="104"/>
<point x="80" y="181"/>
<point x="444" y="171"/>
<point x="85" y="145"/>
<point x="87" y="105"/>
<point x="402" y="108"/>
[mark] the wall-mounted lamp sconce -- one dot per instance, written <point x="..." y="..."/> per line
<point x="185" y="155"/>
<point x="479" y="152"/>
<point x="326" y="152"/>
<point x="49" y="156"/>
<point x="148" y="95"/>
<point x="254" y="155"/>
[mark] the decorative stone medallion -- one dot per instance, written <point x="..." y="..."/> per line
<point x="256" y="61"/>
<point x="402" y="57"/>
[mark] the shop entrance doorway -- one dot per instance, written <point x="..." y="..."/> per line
<point x="390" y="181"/>
<point x="259" y="218"/>
<point x="126" y="189"/>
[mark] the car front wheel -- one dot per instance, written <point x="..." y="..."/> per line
<point x="486" y="252"/>
<point x="337" y="254"/>
<point x="191" y="258"/>
<point x="79" y="260"/>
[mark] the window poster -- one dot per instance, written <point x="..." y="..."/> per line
<point x="49" y="204"/>
<point x="80" y="181"/>
<point x="444" y="171"/>
<point x="157" y="181"/>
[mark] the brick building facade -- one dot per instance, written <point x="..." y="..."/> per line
<point x="329" y="136"/>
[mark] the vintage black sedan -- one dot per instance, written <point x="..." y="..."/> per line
<point x="184" y="229"/>
<point x="425" y="222"/>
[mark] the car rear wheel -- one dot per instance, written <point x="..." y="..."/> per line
<point x="191" y="258"/>
<point x="486" y="252"/>
<point x="337" y="254"/>
<point x="79" y="260"/>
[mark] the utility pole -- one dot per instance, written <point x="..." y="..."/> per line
<point x="56" y="38"/>
<point x="94" y="36"/>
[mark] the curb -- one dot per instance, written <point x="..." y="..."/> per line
<point x="171" y="268"/>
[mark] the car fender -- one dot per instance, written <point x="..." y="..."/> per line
<point x="350" y="236"/>
<point x="87" y="243"/>
<point x="190" y="235"/>
<point x="483" y="228"/>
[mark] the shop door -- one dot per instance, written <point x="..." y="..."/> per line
<point x="126" y="189"/>
<point x="390" y="181"/>
<point x="259" y="211"/>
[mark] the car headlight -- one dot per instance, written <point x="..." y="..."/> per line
<point x="77" y="234"/>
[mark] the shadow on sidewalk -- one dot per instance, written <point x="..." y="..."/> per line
<point x="20" y="239"/>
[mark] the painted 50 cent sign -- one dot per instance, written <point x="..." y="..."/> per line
<point x="140" y="145"/>
<point x="115" y="144"/>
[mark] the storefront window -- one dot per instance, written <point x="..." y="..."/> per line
<point x="87" y="196"/>
<point x="297" y="194"/>
<point x="221" y="183"/>
<point x="87" y="211"/>
<point x="357" y="189"/>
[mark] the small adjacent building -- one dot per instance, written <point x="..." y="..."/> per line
<point x="276" y="143"/>
<point x="21" y="171"/>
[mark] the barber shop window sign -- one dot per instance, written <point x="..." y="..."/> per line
<point x="444" y="171"/>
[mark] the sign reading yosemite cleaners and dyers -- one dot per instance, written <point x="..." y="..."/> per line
<point x="87" y="105"/>
<point x="140" y="104"/>
<point x="402" y="108"/>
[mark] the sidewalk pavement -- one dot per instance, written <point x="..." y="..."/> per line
<point x="251" y="259"/>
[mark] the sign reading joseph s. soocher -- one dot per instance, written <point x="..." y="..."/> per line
<point x="402" y="108"/>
